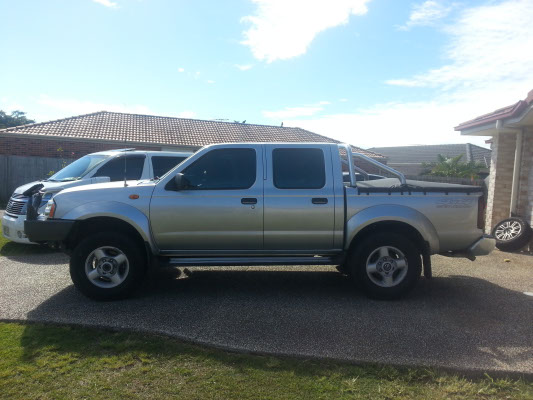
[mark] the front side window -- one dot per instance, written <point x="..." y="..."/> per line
<point x="161" y="164"/>
<point x="296" y="168"/>
<point x="222" y="169"/>
<point x="114" y="169"/>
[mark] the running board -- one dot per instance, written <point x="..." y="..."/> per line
<point x="247" y="261"/>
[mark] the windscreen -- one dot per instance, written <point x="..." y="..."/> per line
<point x="78" y="168"/>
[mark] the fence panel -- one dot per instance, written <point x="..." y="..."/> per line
<point x="19" y="170"/>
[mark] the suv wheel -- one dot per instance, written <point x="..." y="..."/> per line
<point x="107" y="266"/>
<point x="386" y="265"/>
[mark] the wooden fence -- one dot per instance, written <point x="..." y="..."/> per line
<point x="19" y="170"/>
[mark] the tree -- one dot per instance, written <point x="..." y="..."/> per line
<point x="16" y="118"/>
<point x="452" y="167"/>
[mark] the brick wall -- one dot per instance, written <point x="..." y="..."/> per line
<point x="501" y="179"/>
<point x="525" y="197"/>
<point x="17" y="146"/>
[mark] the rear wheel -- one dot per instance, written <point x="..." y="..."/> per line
<point x="386" y="265"/>
<point x="107" y="266"/>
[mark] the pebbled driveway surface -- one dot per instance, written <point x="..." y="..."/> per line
<point x="471" y="317"/>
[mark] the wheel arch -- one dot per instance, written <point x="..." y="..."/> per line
<point x="392" y="218"/>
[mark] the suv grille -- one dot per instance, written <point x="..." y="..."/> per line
<point x="16" y="204"/>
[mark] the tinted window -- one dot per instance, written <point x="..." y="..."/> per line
<point x="299" y="168"/>
<point x="115" y="168"/>
<point x="223" y="169"/>
<point x="162" y="165"/>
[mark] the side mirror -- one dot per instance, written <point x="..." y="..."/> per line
<point x="181" y="181"/>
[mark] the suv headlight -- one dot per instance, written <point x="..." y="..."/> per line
<point x="50" y="209"/>
<point x="46" y="197"/>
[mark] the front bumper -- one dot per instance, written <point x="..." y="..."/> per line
<point x="50" y="230"/>
<point x="13" y="228"/>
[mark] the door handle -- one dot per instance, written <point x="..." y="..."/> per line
<point x="248" y="200"/>
<point x="319" y="200"/>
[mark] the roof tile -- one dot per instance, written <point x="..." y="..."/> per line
<point x="136" y="128"/>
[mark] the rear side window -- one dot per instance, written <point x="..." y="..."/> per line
<point x="115" y="168"/>
<point x="299" y="168"/>
<point x="161" y="165"/>
<point x="223" y="169"/>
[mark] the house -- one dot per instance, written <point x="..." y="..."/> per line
<point x="410" y="159"/>
<point x="84" y="134"/>
<point x="510" y="190"/>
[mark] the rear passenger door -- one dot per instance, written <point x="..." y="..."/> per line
<point x="298" y="198"/>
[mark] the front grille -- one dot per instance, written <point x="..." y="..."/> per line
<point x="16" y="204"/>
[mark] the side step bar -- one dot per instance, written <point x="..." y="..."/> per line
<point x="247" y="261"/>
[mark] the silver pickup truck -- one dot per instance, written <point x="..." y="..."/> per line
<point x="262" y="204"/>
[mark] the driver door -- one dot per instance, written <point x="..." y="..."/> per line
<point x="220" y="209"/>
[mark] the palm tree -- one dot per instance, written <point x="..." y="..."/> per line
<point x="452" y="167"/>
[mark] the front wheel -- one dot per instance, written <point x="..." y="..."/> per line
<point x="386" y="265"/>
<point x="107" y="266"/>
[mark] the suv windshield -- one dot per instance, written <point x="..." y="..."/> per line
<point x="78" y="168"/>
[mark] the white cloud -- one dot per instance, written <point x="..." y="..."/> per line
<point x="488" y="45"/>
<point x="210" y="81"/>
<point x="282" y="29"/>
<point x="106" y="3"/>
<point x="181" y="69"/>
<point x="343" y="100"/>
<point x="68" y="107"/>
<point x="292" y="112"/>
<point x="427" y="13"/>
<point x="490" y="66"/>
<point x="244" y="67"/>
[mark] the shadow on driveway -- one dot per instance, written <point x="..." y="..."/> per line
<point x="454" y="322"/>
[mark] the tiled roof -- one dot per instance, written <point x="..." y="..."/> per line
<point x="135" y="128"/>
<point x="429" y="153"/>
<point x="501" y="113"/>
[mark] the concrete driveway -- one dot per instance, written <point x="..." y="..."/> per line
<point x="471" y="316"/>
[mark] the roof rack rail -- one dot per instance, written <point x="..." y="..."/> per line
<point x="117" y="150"/>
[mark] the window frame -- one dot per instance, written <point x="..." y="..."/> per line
<point x="170" y="184"/>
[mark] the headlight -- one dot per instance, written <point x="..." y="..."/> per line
<point x="50" y="209"/>
<point x="46" y="197"/>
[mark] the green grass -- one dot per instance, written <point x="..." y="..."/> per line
<point x="54" y="362"/>
<point x="9" y="248"/>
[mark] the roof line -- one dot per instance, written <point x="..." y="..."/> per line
<point x="152" y="115"/>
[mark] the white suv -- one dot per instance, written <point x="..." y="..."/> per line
<point x="104" y="166"/>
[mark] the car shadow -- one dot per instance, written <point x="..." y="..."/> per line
<point x="455" y="322"/>
<point x="18" y="249"/>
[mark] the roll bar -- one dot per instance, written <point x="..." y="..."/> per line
<point x="351" y="167"/>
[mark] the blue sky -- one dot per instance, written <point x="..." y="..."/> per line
<point x="369" y="72"/>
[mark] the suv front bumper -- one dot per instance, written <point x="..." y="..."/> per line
<point x="50" y="230"/>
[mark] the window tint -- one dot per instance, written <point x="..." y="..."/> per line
<point x="115" y="168"/>
<point x="299" y="168"/>
<point x="223" y="169"/>
<point x="161" y="165"/>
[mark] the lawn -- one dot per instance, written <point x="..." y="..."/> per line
<point x="50" y="362"/>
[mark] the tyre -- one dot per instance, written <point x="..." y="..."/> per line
<point x="386" y="266"/>
<point x="107" y="266"/>
<point x="511" y="234"/>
